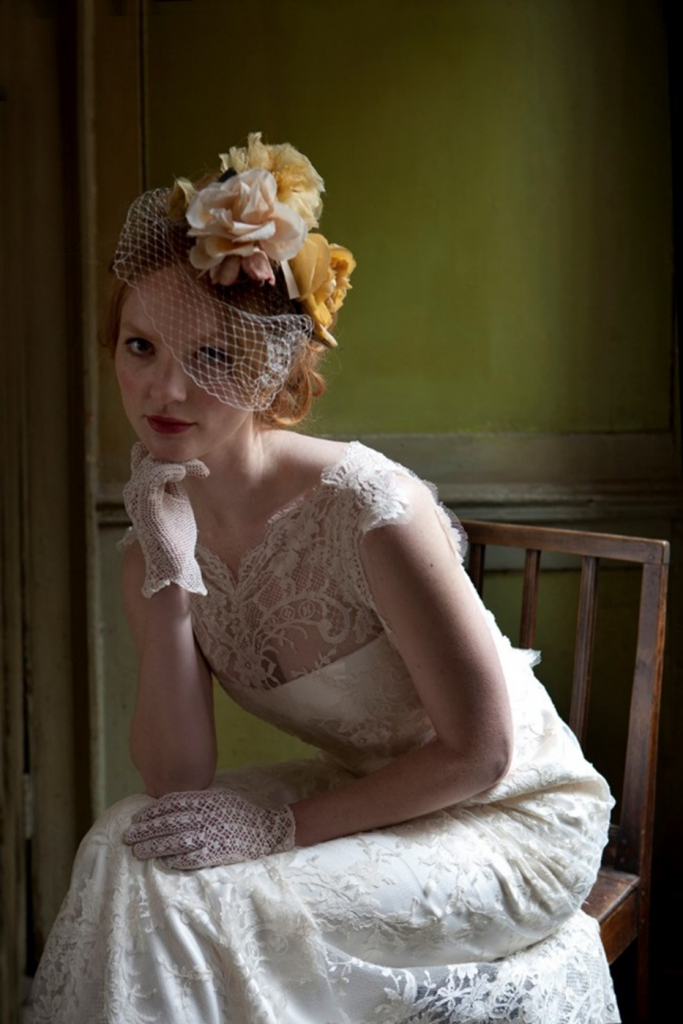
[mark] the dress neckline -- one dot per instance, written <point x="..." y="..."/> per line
<point x="285" y="513"/>
<point x="312" y="492"/>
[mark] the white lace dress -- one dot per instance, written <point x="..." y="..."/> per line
<point x="465" y="915"/>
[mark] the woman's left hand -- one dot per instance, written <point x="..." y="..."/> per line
<point x="204" y="828"/>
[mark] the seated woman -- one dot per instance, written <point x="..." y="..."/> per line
<point x="430" y="864"/>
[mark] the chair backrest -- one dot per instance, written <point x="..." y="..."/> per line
<point x="630" y="847"/>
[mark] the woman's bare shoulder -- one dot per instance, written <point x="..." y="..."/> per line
<point x="310" y="456"/>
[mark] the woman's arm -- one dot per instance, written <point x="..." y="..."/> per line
<point x="438" y="627"/>
<point x="173" y="737"/>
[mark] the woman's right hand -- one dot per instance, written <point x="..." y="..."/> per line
<point x="163" y="520"/>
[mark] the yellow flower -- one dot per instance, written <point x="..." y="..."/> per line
<point x="342" y="265"/>
<point x="321" y="272"/>
<point x="298" y="183"/>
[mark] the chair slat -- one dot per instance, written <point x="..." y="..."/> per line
<point x="527" y="626"/>
<point x="475" y="567"/>
<point x="583" y="652"/>
<point x="634" y="844"/>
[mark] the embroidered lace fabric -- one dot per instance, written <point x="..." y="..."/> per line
<point x="470" y="914"/>
<point x="299" y="600"/>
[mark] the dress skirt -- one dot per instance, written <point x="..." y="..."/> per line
<point x="471" y="914"/>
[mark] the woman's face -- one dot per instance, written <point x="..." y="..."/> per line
<point x="174" y="418"/>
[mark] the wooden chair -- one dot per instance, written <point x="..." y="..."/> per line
<point x="621" y="896"/>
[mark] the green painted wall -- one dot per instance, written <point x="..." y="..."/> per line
<point x="500" y="168"/>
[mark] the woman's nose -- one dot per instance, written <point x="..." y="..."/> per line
<point x="169" y="380"/>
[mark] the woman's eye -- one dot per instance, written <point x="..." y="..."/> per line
<point x="138" y="346"/>
<point x="210" y="355"/>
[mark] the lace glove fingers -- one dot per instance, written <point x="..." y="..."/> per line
<point x="147" y="471"/>
<point x="139" y="453"/>
<point x="274" y="833"/>
<point x="163" y="479"/>
<point x="209" y="805"/>
<point x="160" y="826"/>
<point x="165" y="828"/>
<point x="167" y="847"/>
<point x="203" y="857"/>
<point x="195" y="467"/>
<point x="153" y="483"/>
<point x="153" y="480"/>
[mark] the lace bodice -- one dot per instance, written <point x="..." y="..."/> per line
<point x="299" y="612"/>
<point x="300" y="601"/>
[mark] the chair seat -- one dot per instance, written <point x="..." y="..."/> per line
<point x="615" y="903"/>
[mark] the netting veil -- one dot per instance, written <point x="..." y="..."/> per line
<point x="237" y="343"/>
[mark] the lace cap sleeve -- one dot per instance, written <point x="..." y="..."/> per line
<point x="385" y="493"/>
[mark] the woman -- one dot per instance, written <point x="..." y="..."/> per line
<point x="431" y="864"/>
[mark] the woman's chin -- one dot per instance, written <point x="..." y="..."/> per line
<point x="170" y="448"/>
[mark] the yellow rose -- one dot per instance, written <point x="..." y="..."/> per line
<point x="321" y="272"/>
<point x="342" y="265"/>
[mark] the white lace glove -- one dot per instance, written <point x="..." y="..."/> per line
<point x="208" y="827"/>
<point x="164" y="523"/>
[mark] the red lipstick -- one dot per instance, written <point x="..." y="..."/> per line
<point x="168" y="425"/>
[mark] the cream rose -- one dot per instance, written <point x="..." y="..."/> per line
<point x="240" y="223"/>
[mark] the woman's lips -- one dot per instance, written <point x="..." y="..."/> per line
<point x="168" y="425"/>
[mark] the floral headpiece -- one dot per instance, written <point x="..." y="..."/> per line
<point x="260" y="215"/>
<point x="216" y="268"/>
